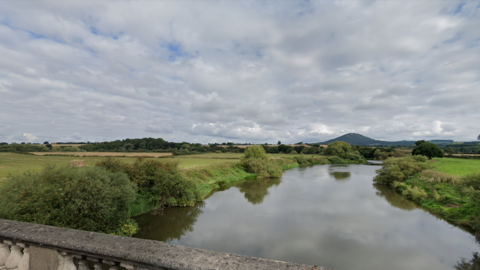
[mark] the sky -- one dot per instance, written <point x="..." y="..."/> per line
<point x="241" y="71"/>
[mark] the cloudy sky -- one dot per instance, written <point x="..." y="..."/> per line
<point x="241" y="71"/>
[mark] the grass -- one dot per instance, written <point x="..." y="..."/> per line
<point x="231" y="155"/>
<point x="102" y="154"/>
<point x="456" y="166"/>
<point x="19" y="163"/>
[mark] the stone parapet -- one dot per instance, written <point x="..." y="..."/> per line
<point x="38" y="247"/>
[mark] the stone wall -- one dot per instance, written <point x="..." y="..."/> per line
<point x="40" y="247"/>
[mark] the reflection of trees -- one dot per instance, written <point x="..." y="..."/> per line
<point x="473" y="264"/>
<point x="169" y="224"/>
<point x="395" y="199"/>
<point x="340" y="175"/>
<point x="255" y="191"/>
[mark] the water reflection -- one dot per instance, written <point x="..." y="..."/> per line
<point x="394" y="198"/>
<point x="168" y="224"/>
<point x="256" y="190"/>
<point x="340" y="175"/>
<point x="310" y="217"/>
<point x="473" y="264"/>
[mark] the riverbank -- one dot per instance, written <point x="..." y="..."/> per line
<point x="157" y="183"/>
<point x="210" y="178"/>
<point x="456" y="197"/>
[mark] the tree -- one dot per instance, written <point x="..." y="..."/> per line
<point x="279" y="142"/>
<point x="450" y="150"/>
<point x="478" y="138"/>
<point x="256" y="151"/>
<point x="339" y="149"/>
<point x="46" y="142"/>
<point x="427" y="149"/>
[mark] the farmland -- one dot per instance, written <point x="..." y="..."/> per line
<point x="102" y="154"/>
<point x="457" y="166"/>
<point x="18" y="163"/>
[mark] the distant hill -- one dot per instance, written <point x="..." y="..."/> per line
<point x="353" y="139"/>
<point x="358" y="139"/>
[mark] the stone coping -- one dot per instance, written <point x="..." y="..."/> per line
<point x="147" y="253"/>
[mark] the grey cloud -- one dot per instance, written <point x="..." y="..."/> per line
<point x="246" y="71"/>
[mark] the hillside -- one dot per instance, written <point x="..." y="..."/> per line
<point x="358" y="139"/>
<point x="353" y="139"/>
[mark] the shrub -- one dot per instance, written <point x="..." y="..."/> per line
<point x="339" y="149"/>
<point x="354" y="156"/>
<point x="427" y="149"/>
<point x="438" y="177"/>
<point x="398" y="169"/>
<point x="264" y="168"/>
<point x="255" y="151"/>
<point x="159" y="183"/>
<point x="302" y="160"/>
<point x="415" y="193"/>
<point x="87" y="198"/>
<point x="335" y="160"/>
<point x="293" y="152"/>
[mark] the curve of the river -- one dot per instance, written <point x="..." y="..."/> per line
<point x="326" y="215"/>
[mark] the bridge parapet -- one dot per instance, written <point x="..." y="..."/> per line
<point x="26" y="246"/>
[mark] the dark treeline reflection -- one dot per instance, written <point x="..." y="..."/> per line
<point x="340" y="175"/>
<point x="255" y="191"/>
<point x="394" y="199"/>
<point x="168" y="224"/>
<point x="473" y="264"/>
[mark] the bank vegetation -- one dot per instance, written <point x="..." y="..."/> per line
<point x="456" y="198"/>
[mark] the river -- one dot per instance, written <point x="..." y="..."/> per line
<point x="325" y="215"/>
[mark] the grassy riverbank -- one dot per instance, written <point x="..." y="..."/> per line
<point x="455" y="195"/>
<point x="155" y="183"/>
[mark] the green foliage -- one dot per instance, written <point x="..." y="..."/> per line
<point x="438" y="177"/>
<point x="427" y="149"/>
<point x="339" y="149"/>
<point x="303" y="160"/>
<point x="457" y="166"/>
<point x="414" y="193"/>
<point x="159" y="183"/>
<point x="398" y="169"/>
<point x="335" y="160"/>
<point x="264" y="168"/>
<point x="23" y="148"/>
<point x="255" y="151"/>
<point x="473" y="264"/>
<point x="88" y="198"/>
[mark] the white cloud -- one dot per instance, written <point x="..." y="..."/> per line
<point x="239" y="70"/>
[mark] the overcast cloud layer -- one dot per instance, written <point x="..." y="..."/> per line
<point x="241" y="71"/>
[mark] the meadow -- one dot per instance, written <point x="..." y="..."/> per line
<point x="18" y="163"/>
<point x="457" y="166"/>
<point x="102" y="154"/>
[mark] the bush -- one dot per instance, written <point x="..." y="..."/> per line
<point x="255" y="151"/>
<point x="415" y="193"/>
<point x="264" y="168"/>
<point x="335" y="160"/>
<point x="398" y="169"/>
<point x="159" y="183"/>
<point x="339" y="149"/>
<point x="427" y="149"/>
<point x="88" y="198"/>
<point x="438" y="177"/>
<point x="354" y="156"/>
<point x="302" y="160"/>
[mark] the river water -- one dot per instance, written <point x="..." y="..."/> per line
<point x="325" y="215"/>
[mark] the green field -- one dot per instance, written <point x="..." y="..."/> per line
<point x="18" y="163"/>
<point x="457" y="166"/>
<point x="229" y="156"/>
